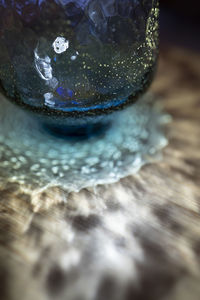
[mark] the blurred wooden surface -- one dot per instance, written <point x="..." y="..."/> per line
<point x="136" y="239"/>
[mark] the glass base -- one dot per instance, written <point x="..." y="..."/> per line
<point x="38" y="158"/>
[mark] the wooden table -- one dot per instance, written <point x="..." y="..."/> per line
<point x="136" y="239"/>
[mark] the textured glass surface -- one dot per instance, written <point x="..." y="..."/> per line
<point x="81" y="55"/>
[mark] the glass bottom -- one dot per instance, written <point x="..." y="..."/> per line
<point x="37" y="158"/>
<point x="79" y="132"/>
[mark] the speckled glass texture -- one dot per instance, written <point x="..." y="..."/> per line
<point x="77" y="55"/>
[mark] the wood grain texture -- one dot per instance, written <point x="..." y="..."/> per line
<point x="136" y="239"/>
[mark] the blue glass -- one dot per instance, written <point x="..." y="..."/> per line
<point x="74" y="65"/>
<point x="73" y="61"/>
